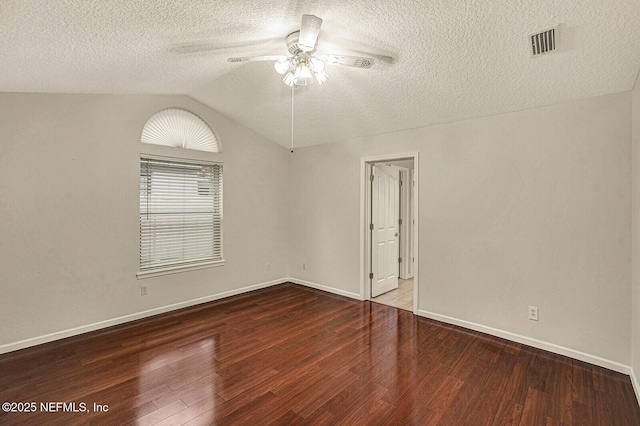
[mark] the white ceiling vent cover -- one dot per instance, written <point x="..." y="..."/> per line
<point x="543" y="42"/>
<point x="179" y="128"/>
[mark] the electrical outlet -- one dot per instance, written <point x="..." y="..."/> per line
<point x="304" y="265"/>
<point x="143" y="290"/>
<point x="267" y="266"/>
<point x="533" y="313"/>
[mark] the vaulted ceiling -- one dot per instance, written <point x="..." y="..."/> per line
<point x="452" y="59"/>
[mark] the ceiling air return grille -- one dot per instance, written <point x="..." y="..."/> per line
<point x="544" y="41"/>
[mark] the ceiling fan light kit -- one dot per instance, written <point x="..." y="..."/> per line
<point x="302" y="68"/>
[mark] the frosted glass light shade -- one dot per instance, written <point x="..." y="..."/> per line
<point x="179" y="128"/>
<point x="282" y="65"/>
<point x="316" y="64"/>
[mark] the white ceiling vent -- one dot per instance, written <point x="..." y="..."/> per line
<point x="543" y="42"/>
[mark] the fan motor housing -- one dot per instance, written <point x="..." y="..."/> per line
<point x="292" y="43"/>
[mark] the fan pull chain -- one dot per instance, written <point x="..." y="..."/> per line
<point x="293" y="88"/>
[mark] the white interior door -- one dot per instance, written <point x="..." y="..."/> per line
<point x="385" y="206"/>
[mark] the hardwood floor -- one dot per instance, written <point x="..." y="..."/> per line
<point x="293" y="355"/>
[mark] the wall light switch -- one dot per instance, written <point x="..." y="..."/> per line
<point x="533" y="313"/>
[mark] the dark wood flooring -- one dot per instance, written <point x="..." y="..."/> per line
<point x="292" y="355"/>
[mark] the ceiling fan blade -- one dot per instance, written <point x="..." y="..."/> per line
<point x="257" y="58"/>
<point x="205" y="46"/>
<point x="350" y="61"/>
<point x="309" y="31"/>
<point x="187" y="49"/>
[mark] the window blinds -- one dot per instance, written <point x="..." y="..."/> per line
<point x="180" y="212"/>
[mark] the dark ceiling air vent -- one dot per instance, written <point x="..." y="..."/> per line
<point x="544" y="41"/>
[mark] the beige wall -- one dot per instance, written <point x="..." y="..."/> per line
<point x="528" y="208"/>
<point x="635" y="330"/>
<point x="69" y="212"/>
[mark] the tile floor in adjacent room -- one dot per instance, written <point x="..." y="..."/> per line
<point x="402" y="297"/>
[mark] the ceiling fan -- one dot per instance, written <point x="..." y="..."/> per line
<point x="303" y="67"/>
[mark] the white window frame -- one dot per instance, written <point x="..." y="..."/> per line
<point x="185" y="265"/>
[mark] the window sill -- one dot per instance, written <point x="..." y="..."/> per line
<point x="176" y="269"/>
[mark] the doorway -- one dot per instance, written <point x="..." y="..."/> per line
<point x="389" y="230"/>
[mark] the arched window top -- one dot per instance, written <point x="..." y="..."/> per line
<point x="179" y="128"/>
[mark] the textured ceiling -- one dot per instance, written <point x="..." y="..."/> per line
<point x="453" y="59"/>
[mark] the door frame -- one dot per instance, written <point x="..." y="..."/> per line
<point x="365" y="220"/>
<point x="406" y="214"/>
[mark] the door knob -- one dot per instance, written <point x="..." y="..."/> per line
<point x="397" y="234"/>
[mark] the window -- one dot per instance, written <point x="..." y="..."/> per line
<point x="180" y="215"/>
<point x="179" y="128"/>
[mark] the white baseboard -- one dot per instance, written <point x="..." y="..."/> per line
<point x="10" y="347"/>
<point x="561" y="350"/>
<point x="326" y="288"/>
<point x="634" y="382"/>
<point x="602" y="362"/>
